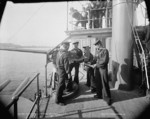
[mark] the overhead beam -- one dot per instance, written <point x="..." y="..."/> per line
<point x="90" y="32"/>
<point x="24" y="50"/>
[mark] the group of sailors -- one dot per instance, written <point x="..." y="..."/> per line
<point x="96" y="67"/>
<point x="93" y="13"/>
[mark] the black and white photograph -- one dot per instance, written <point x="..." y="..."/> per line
<point x="79" y="59"/>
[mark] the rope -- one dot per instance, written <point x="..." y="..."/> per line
<point x="136" y="36"/>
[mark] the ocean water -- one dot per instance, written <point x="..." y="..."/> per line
<point x="16" y="66"/>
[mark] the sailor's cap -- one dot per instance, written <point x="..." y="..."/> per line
<point x="65" y="43"/>
<point x="98" y="42"/>
<point x="75" y="42"/>
<point x="86" y="46"/>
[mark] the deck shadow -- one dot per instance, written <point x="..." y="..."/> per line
<point x="81" y="96"/>
<point x="84" y="99"/>
<point x="84" y="94"/>
<point x="120" y="95"/>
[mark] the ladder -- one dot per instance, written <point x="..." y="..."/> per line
<point x="143" y="56"/>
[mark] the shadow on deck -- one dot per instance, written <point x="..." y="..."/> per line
<point x="83" y="105"/>
<point x="125" y="105"/>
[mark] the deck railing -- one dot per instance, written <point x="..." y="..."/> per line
<point x="4" y="84"/>
<point x="93" y="20"/>
<point x="18" y="92"/>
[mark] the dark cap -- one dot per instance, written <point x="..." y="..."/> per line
<point x="98" y="42"/>
<point x="86" y="47"/>
<point x="75" y="42"/>
<point x="65" y="43"/>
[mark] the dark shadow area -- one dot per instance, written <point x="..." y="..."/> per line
<point x="144" y="113"/>
<point x="84" y="99"/>
<point x="115" y="67"/>
<point x="4" y="112"/>
<point x="117" y="95"/>
<point x="71" y="94"/>
<point x="136" y="77"/>
<point x="130" y="75"/>
<point x="83" y="90"/>
<point x="126" y="71"/>
<point x="120" y="95"/>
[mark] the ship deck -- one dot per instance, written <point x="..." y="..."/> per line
<point x="125" y="105"/>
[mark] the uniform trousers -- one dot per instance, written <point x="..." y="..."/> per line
<point x="90" y="78"/>
<point x="103" y="89"/>
<point x="76" y="76"/>
<point x="61" y="85"/>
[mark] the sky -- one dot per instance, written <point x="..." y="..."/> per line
<point x="40" y="24"/>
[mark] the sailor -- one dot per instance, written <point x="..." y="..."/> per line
<point x="102" y="83"/>
<point x="77" y="58"/>
<point x="62" y="64"/>
<point x="88" y="58"/>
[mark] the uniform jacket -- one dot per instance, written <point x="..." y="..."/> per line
<point x="76" y="53"/>
<point x="54" y="55"/>
<point x="62" y="61"/>
<point x="88" y="57"/>
<point x="102" y="58"/>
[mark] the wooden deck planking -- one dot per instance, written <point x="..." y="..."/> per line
<point x="126" y="105"/>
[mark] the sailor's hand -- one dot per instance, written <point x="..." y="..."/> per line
<point x="75" y="60"/>
<point x="69" y="76"/>
<point x="72" y="60"/>
<point x="94" y="65"/>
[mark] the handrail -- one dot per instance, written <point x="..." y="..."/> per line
<point x="22" y="87"/>
<point x="97" y="9"/>
<point x="95" y="19"/>
<point x="4" y="84"/>
<point x="90" y="19"/>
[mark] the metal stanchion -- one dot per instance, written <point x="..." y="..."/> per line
<point x="46" y="80"/>
<point x="38" y="95"/>
<point x="15" y="108"/>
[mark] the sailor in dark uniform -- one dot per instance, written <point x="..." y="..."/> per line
<point x="77" y="58"/>
<point x="102" y="83"/>
<point x="88" y="58"/>
<point x="62" y="64"/>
